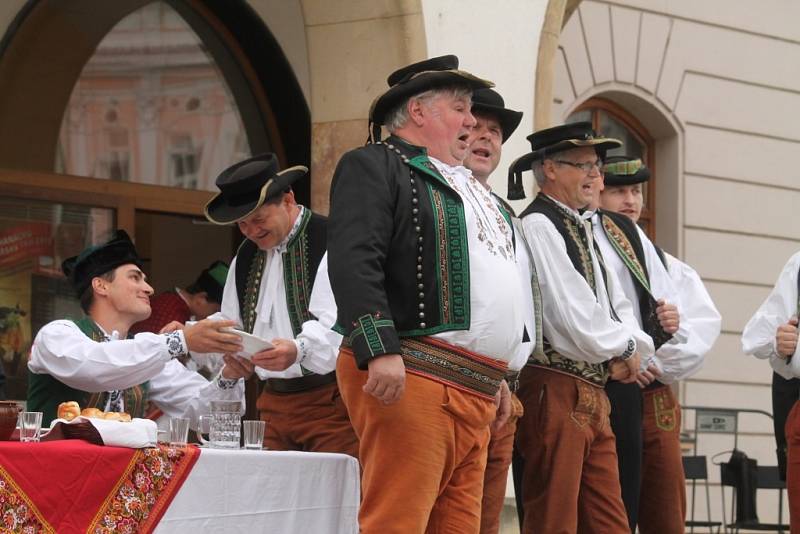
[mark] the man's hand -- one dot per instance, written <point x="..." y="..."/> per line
<point x="278" y="358"/>
<point x="648" y="376"/>
<point x="503" y="403"/>
<point x="668" y="316"/>
<point x="387" y="378"/>
<point x="171" y="326"/>
<point x="624" y="371"/>
<point x="786" y="338"/>
<point x="633" y="363"/>
<point x="236" y="367"/>
<point x="210" y="336"/>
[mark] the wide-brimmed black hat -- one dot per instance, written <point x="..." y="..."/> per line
<point x="245" y="186"/>
<point x="552" y="140"/>
<point x="212" y="280"/>
<point x="100" y="259"/>
<point x="419" y="77"/>
<point x="624" y="170"/>
<point x="489" y="102"/>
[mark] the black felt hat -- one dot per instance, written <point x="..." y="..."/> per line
<point x="419" y="77"/>
<point x="624" y="170"/>
<point x="552" y="140"/>
<point x="245" y="186"/>
<point x="212" y="280"/>
<point x="100" y="259"/>
<point x="489" y="102"/>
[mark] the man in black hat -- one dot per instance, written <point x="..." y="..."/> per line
<point x="648" y="286"/>
<point x="494" y="125"/>
<point x="194" y="302"/>
<point x="278" y="289"/>
<point x="647" y="422"/>
<point x="570" y="478"/>
<point x="94" y="362"/>
<point x="422" y="266"/>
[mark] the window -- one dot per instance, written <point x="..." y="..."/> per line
<point x="612" y="120"/>
<point x="150" y="81"/>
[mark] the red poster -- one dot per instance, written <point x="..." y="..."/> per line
<point x="25" y="241"/>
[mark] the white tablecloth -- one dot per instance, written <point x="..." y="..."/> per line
<point x="267" y="491"/>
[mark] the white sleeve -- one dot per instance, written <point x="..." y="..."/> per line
<point x="699" y="317"/>
<point x="180" y="392"/>
<point x="525" y="272"/>
<point x="574" y="322"/>
<point x="317" y="344"/>
<point x="63" y="351"/>
<point x="758" y="337"/>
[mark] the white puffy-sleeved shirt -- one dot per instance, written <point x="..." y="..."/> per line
<point x="700" y="319"/>
<point x="63" y="351"/>
<point x="758" y="337"/>
<point x="317" y="345"/>
<point x="577" y="323"/>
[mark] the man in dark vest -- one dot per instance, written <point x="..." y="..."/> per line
<point x="278" y="290"/>
<point x="423" y="268"/>
<point x="771" y="334"/>
<point x="494" y="125"/>
<point x="94" y="361"/>
<point x="646" y="283"/>
<point x="641" y="268"/>
<point x="570" y="475"/>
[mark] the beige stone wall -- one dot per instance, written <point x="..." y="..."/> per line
<point x="724" y="81"/>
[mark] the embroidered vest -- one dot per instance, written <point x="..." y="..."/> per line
<point x="300" y="263"/>
<point x="577" y="243"/>
<point x="627" y="243"/>
<point x="46" y="392"/>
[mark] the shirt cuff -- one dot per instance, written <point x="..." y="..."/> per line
<point x="302" y="350"/>
<point x="176" y="344"/>
<point x="226" y="383"/>
<point x="630" y="350"/>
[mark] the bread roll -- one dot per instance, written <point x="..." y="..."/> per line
<point x="125" y="417"/>
<point x="68" y="410"/>
<point x="112" y="416"/>
<point x="93" y="412"/>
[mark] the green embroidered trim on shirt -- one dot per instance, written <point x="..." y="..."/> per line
<point x="423" y="164"/>
<point x="297" y="276"/>
<point x="251" y="291"/>
<point x="624" y="249"/>
<point x="452" y="257"/>
<point x="368" y="327"/>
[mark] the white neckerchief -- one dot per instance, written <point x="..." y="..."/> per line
<point x="273" y="271"/>
<point x="116" y="401"/>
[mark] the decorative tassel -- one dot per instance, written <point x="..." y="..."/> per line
<point x="516" y="190"/>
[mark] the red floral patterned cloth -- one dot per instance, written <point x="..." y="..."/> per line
<point x="72" y="486"/>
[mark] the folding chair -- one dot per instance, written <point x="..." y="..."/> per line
<point x="695" y="469"/>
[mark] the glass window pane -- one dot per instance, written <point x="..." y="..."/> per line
<point x="35" y="237"/>
<point x="631" y="144"/>
<point x="151" y="106"/>
<point x="580" y="116"/>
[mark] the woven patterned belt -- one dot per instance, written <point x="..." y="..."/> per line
<point x="453" y="366"/>
<point x="302" y="383"/>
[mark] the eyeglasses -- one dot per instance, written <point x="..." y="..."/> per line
<point x="585" y="167"/>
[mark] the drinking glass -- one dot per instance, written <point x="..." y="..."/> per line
<point x="254" y="434"/>
<point x="225" y="425"/>
<point x="178" y="431"/>
<point x="30" y="425"/>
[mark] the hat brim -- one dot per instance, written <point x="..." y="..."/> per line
<point x="420" y="83"/>
<point x="508" y="118"/>
<point x="641" y="176"/>
<point x="599" y="143"/>
<point x="218" y="211"/>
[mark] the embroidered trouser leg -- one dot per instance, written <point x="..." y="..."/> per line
<point x="570" y="479"/>
<point x="793" y="466"/>
<point x="315" y="420"/>
<point x="662" y="507"/>
<point x="422" y="457"/>
<point x="626" y="423"/>
<point x="495" y="478"/>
